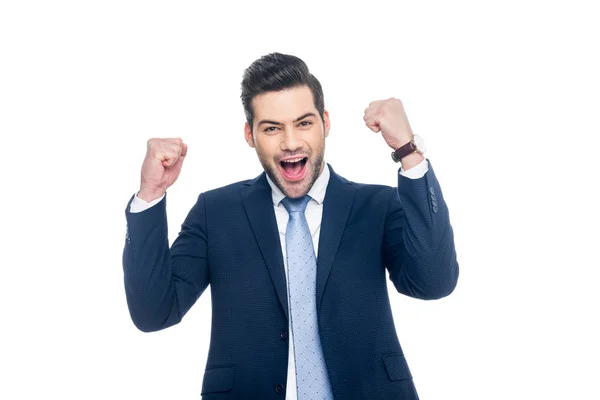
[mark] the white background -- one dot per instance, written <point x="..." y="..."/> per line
<point x="506" y="95"/>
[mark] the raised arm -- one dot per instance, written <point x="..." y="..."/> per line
<point x="419" y="250"/>
<point x="162" y="283"/>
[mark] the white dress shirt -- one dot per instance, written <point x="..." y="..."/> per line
<point x="313" y="213"/>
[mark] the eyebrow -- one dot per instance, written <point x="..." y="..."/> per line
<point x="265" y="121"/>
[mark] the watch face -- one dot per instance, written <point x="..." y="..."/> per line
<point x="420" y="143"/>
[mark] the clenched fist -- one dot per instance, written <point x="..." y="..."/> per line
<point x="161" y="166"/>
<point x="388" y="116"/>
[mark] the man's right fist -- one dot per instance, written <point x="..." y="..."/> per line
<point x="161" y="166"/>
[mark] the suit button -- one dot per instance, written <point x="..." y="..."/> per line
<point x="431" y="190"/>
<point x="435" y="209"/>
<point x="284" y="335"/>
<point x="279" y="388"/>
<point x="433" y="198"/>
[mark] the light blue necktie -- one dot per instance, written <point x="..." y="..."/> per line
<point x="312" y="380"/>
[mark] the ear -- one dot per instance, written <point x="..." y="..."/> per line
<point x="326" y="122"/>
<point x="248" y="135"/>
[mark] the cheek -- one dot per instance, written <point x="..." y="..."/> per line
<point x="318" y="142"/>
<point x="267" y="148"/>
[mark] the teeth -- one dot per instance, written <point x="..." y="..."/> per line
<point x="294" y="160"/>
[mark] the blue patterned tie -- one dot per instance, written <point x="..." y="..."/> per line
<point x="312" y="380"/>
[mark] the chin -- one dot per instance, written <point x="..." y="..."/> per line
<point x="295" y="191"/>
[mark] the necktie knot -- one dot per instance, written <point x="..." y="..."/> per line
<point x="296" y="205"/>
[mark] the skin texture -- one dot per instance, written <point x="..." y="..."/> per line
<point x="286" y="135"/>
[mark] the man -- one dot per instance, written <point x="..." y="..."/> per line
<point x="296" y="258"/>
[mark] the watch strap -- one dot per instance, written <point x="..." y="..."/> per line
<point x="403" y="151"/>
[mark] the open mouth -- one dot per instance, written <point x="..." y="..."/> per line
<point x="294" y="169"/>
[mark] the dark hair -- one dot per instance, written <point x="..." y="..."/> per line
<point x="274" y="72"/>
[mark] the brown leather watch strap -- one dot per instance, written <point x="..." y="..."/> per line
<point x="403" y="151"/>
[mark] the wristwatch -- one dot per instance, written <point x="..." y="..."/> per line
<point x="416" y="144"/>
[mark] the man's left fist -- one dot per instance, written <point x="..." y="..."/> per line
<point x="388" y="116"/>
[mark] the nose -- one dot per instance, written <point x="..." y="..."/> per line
<point x="291" y="140"/>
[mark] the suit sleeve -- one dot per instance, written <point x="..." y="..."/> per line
<point x="162" y="283"/>
<point x="419" y="250"/>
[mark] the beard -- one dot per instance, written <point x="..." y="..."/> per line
<point x="314" y="164"/>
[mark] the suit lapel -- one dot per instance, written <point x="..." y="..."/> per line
<point x="258" y="202"/>
<point x="339" y="198"/>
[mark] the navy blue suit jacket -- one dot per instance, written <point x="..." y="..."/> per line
<point x="230" y="240"/>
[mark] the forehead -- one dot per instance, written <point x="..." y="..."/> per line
<point x="283" y="105"/>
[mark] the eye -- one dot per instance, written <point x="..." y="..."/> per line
<point x="270" y="129"/>
<point x="305" y="123"/>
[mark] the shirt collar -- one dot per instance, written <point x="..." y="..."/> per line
<point x="316" y="192"/>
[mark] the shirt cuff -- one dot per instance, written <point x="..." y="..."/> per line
<point x="139" y="205"/>
<point x="416" y="172"/>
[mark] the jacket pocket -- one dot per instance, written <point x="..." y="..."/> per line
<point x="396" y="367"/>
<point x="218" y="379"/>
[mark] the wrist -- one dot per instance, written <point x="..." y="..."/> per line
<point x="415" y="145"/>
<point x="411" y="160"/>
<point x="150" y="194"/>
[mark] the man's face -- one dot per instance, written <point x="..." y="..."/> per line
<point x="289" y="138"/>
